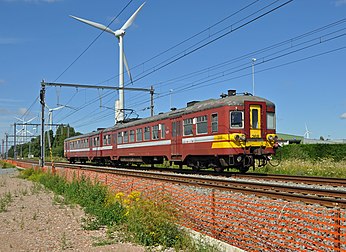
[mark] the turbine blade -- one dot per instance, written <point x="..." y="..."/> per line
<point x="94" y="24"/>
<point x="31" y="120"/>
<point x="19" y="119"/>
<point x="132" y="18"/>
<point x="127" y="67"/>
<point x="60" y="107"/>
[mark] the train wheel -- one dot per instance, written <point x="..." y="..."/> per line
<point x="218" y="169"/>
<point x="243" y="169"/>
<point x="195" y="168"/>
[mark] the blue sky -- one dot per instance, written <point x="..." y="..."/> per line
<point x="304" y="76"/>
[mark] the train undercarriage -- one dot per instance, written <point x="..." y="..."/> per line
<point x="241" y="162"/>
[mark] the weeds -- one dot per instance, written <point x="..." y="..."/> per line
<point x="5" y="201"/>
<point x="322" y="167"/>
<point x="142" y="221"/>
<point x="64" y="243"/>
<point x="5" y="165"/>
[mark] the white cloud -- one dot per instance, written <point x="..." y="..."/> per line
<point x="343" y="116"/>
<point x="339" y="3"/>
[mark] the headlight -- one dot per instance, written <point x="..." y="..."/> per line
<point x="272" y="137"/>
<point x="238" y="137"/>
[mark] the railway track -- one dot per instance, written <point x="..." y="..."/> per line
<point x="326" y="197"/>
<point x="309" y="180"/>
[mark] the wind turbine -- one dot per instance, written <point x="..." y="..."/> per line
<point x="307" y="132"/>
<point x="50" y="114"/>
<point x="119" y="116"/>
<point x="24" y="131"/>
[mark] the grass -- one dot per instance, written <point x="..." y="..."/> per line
<point x="5" y="200"/>
<point x="126" y="217"/>
<point x="322" y="167"/>
<point x="4" y="165"/>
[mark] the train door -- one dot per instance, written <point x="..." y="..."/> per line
<point x="255" y="119"/>
<point x="176" y="139"/>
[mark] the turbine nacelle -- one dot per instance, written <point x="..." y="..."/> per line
<point x="119" y="33"/>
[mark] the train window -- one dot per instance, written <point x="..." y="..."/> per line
<point x="96" y="141"/>
<point x="188" y="123"/>
<point x="254" y="122"/>
<point x="271" y="124"/>
<point x="237" y="119"/>
<point x="146" y="133"/>
<point x="214" y="123"/>
<point x="163" y="131"/>
<point x="126" y="137"/>
<point x="120" y="138"/>
<point x="202" y="125"/>
<point x="106" y="139"/>
<point x="132" y="136"/>
<point x="155" y="130"/>
<point x="139" y="135"/>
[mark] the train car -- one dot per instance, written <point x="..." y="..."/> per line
<point x="234" y="131"/>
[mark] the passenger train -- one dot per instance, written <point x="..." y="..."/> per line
<point x="234" y="131"/>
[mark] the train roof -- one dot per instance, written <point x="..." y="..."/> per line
<point x="196" y="106"/>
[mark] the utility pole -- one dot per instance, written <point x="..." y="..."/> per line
<point x="151" y="101"/>
<point x="253" y="76"/>
<point x="6" y="149"/>
<point x="42" y="101"/>
<point x="15" y="143"/>
<point x="2" y="148"/>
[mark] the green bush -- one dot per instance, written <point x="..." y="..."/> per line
<point x="313" y="152"/>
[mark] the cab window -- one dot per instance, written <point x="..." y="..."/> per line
<point x="271" y="120"/>
<point x="255" y="120"/>
<point x="214" y="123"/>
<point x="237" y="119"/>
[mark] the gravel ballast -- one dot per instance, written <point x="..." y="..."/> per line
<point x="33" y="220"/>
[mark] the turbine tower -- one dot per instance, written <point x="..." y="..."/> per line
<point x="119" y="114"/>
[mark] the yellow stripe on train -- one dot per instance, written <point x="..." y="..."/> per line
<point x="235" y="140"/>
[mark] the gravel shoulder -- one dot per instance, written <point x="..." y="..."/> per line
<point x="34" y="221"/>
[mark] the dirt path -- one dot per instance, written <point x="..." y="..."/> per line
<point x="31" y="220"/>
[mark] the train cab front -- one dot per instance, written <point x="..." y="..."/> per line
<point x="253" y="134"/>
<point x="260" y="127"/>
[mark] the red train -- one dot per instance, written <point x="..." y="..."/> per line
<point x="231" y="132"/>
